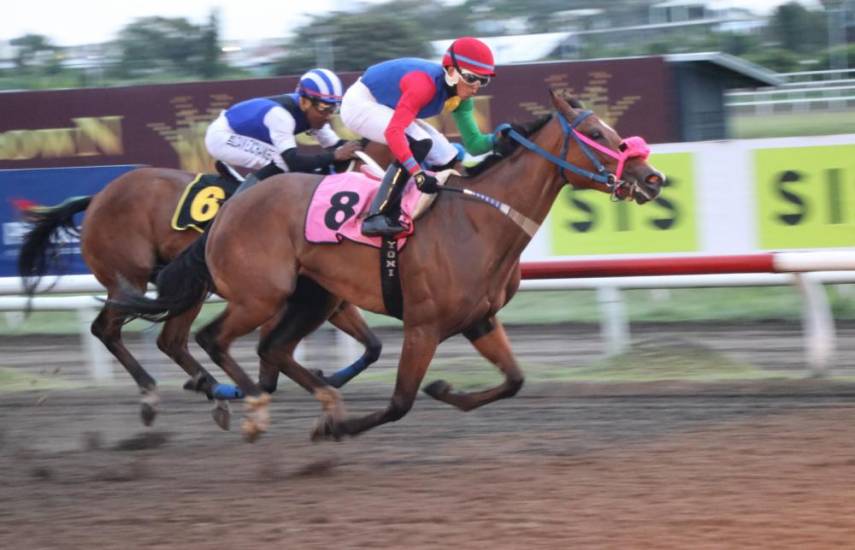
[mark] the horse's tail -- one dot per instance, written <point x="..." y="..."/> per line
<point x="41" y="247"/>
<point x="181" y="285"/>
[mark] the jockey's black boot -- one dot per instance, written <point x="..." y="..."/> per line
<point x="247" y="182"/>
<point x="384" y="214"/>
<point x="255" y="177"/>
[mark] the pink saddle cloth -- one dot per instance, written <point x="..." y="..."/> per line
<point x="340" y="203"/>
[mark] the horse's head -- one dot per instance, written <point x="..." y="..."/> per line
<point x="608" y="162"/>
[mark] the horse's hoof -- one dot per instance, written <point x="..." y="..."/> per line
<point x="251" y="431"/>
<point x="148" y="407"/>
<point x="258" y="417"/>
<point x="326" y="428"/>
<point x="148" y="413"/>
<point x="437" y="389"/>
<point x="222" y="415"/>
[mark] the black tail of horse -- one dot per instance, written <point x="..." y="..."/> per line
<point x="41" y="246"/>
<point x="182" y="284"/>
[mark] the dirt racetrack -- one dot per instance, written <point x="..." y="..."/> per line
<point x="740" y="464"/>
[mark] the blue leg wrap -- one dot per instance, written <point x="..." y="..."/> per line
<point x="343" y="376"/>
<point x="226" y="391"/>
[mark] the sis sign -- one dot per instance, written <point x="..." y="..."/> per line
<point x="722" y="197"/>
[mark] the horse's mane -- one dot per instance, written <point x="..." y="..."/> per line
<point x="509" y="145"/>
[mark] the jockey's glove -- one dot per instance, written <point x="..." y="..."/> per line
<point x="426" y="182"/>
<point x="504" y="144"/>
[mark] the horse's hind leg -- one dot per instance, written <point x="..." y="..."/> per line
<point x="307" y="308"/>
<point x="347" y="318"/>
<point x="268" y="373"/>
<point x="173" y="342"/>
<point x="491" y="340"/>
<point x="107" y="327"/>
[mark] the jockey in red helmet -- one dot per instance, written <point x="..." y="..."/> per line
<point x="388" y="104"/>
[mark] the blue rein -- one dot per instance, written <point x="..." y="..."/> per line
<point x="601" y="176"/>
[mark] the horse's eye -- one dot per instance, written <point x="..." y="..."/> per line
<point x="596" y="134"/>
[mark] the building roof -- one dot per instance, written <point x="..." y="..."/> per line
<point x="748" y="75"/>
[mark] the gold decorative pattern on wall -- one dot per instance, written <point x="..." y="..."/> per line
<point x="594" y="95"/>
<point x="88" y="137"/>
<point x="187" y="136"/>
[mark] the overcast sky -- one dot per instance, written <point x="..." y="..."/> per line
<point x="72" y="22"/>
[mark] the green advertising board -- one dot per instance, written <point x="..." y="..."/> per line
<point x="585" y="222"/>
<point x="805" y="196"/>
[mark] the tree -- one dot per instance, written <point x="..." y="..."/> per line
<point x="776" y="59"/>
<point x="352" y="42"/>
<point x="31" y="47"/>
<point x="846" y="52"/>
<point x="210" y="65"/>
<point x="795" y="28"/>
<point x="738" y="44"/>
<point x="157" y="44"/>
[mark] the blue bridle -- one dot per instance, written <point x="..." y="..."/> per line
<point x="602" y="175"/>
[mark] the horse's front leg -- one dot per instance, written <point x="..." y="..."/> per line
<point x="491" y="340"/>
<point x="419" y="346"/>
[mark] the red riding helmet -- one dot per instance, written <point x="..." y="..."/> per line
<point x="470" y="54"/>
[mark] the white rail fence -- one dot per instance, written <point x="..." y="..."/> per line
<point x="801" y="92"/>
<point x="805" y="271"/>
<point x="797" y="100"/>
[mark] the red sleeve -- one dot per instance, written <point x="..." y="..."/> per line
<point x="417" y="90"/>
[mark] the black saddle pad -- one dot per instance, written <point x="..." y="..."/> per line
<point x="201" y="201"/>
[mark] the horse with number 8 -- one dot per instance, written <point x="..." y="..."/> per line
<point x="459" y="267"/>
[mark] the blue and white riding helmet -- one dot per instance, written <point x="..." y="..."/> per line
<point x="320" y="85"/>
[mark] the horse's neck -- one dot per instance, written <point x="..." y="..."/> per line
<point x="528" y="183"/>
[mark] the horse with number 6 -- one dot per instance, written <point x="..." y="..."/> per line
<point x="128" y="234"/>
<point x="458" y="268"/>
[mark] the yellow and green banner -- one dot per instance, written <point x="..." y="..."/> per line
<point x="805" y="196"/>
<point x="587" y="222"/>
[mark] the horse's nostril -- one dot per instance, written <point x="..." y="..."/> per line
<point x="655" y="179"/>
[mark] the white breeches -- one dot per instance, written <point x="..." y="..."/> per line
<point x="246" y="152"/>
<point x="361" y="113"/>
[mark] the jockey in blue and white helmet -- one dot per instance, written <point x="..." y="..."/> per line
<point x="321" y="85"/>
<point x="260" y="134"/>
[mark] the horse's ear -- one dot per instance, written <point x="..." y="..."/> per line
<point x="559" y="102"/>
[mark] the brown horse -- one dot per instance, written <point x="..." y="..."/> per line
<point x="126" y="237"/>
<point x="458" y="269"/>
